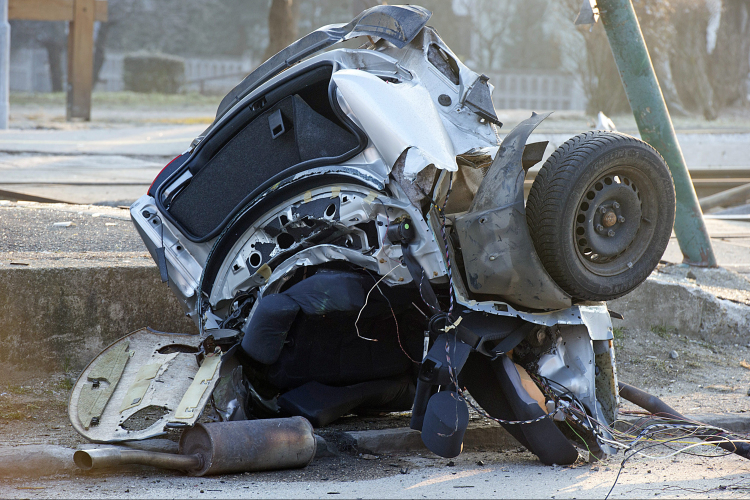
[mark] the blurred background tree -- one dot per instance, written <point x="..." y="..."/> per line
<point x="700" y="48"/>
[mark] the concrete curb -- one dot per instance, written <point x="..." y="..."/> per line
<point x="693" y="310"/>
<point x="49" y="460"/>
<point x="484" y="436"/>
<point x="58" y="319"/>
<point x="489" y="437"/>
<point x="35" y="460"/>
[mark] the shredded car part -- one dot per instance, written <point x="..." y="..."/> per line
<point x="351" y="235"/>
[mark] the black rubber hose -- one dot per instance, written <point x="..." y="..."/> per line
<point x="656" y="406"/>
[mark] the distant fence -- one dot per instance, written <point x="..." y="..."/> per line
<point x="537" y="90"/>
<point x="29" y="72"/>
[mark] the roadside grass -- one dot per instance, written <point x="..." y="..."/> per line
<point x="19" y="390"/>
<point x="65" y="384"/>
<point x="663" y="331"/>
<point x="619" y="334"/>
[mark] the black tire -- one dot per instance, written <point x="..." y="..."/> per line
<point x="600" y="213"/>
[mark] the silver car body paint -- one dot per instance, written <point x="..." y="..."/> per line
<point x="398" y="118"/>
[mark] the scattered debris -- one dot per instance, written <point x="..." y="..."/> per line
<point x="480" y="463"/>
<point x="691" y="276"/>
<point x="367" y="456"/>
<point x="674" y="354"/>
<point x="20" y="264"/>
<point x="63" y="224"/>
<point x="721" y="388"/>
<point x="451" y="464"/>
<point x="745" y="364"/>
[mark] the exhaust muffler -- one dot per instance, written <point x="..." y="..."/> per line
<point x="221" y="448"/>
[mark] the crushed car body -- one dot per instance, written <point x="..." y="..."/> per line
<point x="351" y="235"/>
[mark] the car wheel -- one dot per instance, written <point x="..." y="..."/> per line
<point x="600" y="214"/>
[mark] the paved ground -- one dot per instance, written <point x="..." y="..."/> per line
<point x="506" y="475"/>
<point x="114" y="158"/>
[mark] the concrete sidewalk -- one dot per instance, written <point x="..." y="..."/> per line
<point x="114" y="165"/>
<point x="162" y="140"/>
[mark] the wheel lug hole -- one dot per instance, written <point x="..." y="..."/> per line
<point x="610" y="233"/>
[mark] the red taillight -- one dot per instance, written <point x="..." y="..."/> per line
<point x="160" y="171"/>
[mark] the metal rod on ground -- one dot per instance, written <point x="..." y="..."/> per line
<point x="4" y="64"/>
<point x="734" y="196"/>
<point x="657" y="407"/>
<point x="655" y="124"/>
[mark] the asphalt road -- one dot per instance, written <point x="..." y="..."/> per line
<point x="115" y="165"/>
<point x="501" y="475"/>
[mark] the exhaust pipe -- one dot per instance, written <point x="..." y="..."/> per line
<point x="656" y="406"/>
<point x="105" y="458"/>
<point x="221" y="448"/>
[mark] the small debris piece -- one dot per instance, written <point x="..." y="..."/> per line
<point x="720" y="388"/>
<point x="367" y="456"/>
<point x="464" y="486"/>
<point x="334" y="493"/>
<point x="404" y="470"/>
<point x="748" y="392"/>
<point x="674" y="354"/>
<point x="19" y="264"/>
<point x="110" y="223"/>
<point x="451" y="464"/>
<point x="595" y="468"/>
<point x="480" y="463"/>
<point x="63" y="224"/>
<point x="691" y="276"/>
<point x="745" y="364"/>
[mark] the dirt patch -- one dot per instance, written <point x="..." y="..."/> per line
<point x="33" y="410"/>
<point x="705" y="377"/>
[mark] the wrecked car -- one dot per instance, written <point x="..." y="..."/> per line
<point x="350" y="235"/>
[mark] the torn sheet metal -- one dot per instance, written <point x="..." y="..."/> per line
<point x="304" y="219"/>
<point x="156" y="387"/>
<point x="498" y="252"/>
<point x="398" y="117"/>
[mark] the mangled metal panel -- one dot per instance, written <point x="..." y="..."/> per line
<point x="140" y="385"/>
<point x="498" y="252"/>
<point x="398" y="118"/>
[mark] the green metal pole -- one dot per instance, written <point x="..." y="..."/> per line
<point x="655" y="125"/>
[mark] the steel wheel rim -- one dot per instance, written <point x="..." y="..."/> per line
<point x="608" y="242"/>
